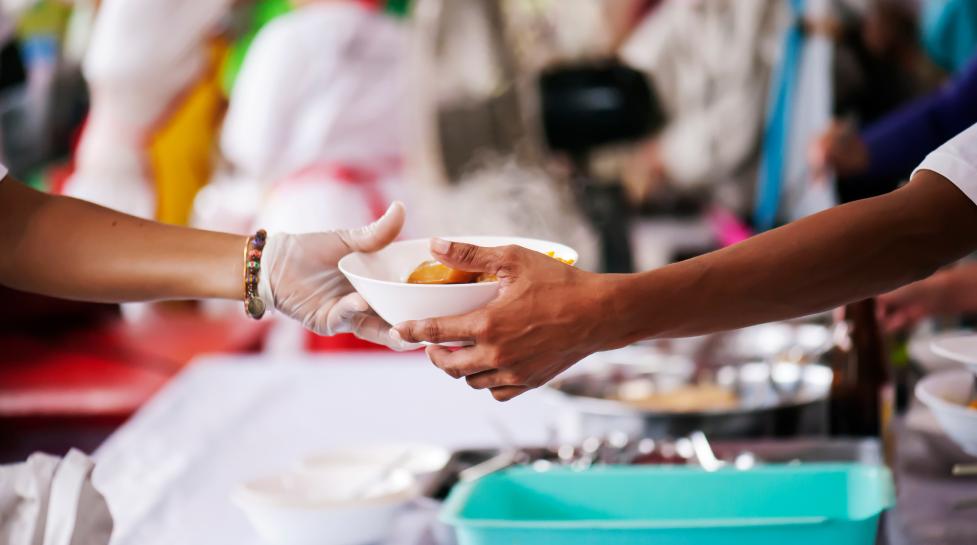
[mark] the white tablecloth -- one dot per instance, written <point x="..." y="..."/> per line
<point x="167" y="473"/>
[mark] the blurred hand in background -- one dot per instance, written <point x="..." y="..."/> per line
<point x="839" y="149"/>
<point x="945" y="293"/>
<point x="643" y="172"/>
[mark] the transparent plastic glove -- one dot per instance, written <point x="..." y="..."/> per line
<point x="300" y="278"/>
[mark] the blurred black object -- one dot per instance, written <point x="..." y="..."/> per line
<point x="589" y="106"/>
<point x="11" y="66"/>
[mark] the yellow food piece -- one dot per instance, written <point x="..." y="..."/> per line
<point x="433" y="272"/>
<point x="973" y="404"/>
<point x="560" y="259"/>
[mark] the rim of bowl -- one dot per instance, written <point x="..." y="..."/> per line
<point x="936" y="347"/>
<point x="331" y="458"/>
<point x="343" y="260"/>
<point x="930" y="399"/>
<point x="244" y="493"/>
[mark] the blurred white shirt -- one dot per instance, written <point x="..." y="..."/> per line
<point x="320" y="93"/>
<point x="143" y="54"/>
<point x="711" y="63"/>
<point x="956" y="161"/>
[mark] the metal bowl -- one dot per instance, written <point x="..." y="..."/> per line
<point x="771" y="398"/>
<point x="797" y="340"/>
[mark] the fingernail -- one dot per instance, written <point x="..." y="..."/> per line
<point x="440" y="246"/>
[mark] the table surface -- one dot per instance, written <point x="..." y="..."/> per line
<point x="168" y="472"/>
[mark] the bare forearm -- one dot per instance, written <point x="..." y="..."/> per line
<point x="73" y="249"/>
<point x="841" y="255"/>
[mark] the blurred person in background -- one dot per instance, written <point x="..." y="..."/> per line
<point x="877" y="158"/>
<point x="476" y="161"/>
<point x="313" y="133"/>
<point x="879" y="62"/>
<point x="873" y="147"/>
<point x="710" y="63"/>
<point x="72" y="249"/>
<point x="156" y="104"/>
<point x="312" y="137"/>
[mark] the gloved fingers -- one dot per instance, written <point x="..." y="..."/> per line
<point x="370" y="327"/>
<point x="353" y="314"/>
<point x="340" y="317"/>
<point x="378" y="234"/>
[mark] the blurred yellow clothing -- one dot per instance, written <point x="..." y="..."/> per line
<point x="181" y="151"/>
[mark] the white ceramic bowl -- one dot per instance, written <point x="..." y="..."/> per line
<point x="422" y="461"/>
<point x="921" y="349"/>
<point x="946" y="394"/>
<point x="380" y="277"/>
<point x="313" y="509"/>
<point x="960" y="348"/>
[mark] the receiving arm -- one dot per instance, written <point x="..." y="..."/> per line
<point x="548" y="315"/>
<point x="828" y="259"/>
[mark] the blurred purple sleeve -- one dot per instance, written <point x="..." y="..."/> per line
<point x="900" y="141"/>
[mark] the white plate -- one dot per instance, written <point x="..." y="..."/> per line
<point x="422" y="461"/>
<point x="961" y="349"/>
<point x="921" y="349"/>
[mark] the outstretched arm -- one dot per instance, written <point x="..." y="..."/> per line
<point x="548" y="315"/>
<point x="73" y="249"/>
<point x="841" y="255"/>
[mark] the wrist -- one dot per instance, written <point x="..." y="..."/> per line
<point x="220" y="277"/>
<point x="624" y="301"/>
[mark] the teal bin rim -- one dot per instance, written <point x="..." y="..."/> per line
<point x="450" y="511"/>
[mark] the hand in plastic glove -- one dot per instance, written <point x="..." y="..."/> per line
<point x="300" y="278"/>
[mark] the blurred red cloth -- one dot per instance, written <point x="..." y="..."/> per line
<point x="43" y="378"/>
<point x="338" y="343"/>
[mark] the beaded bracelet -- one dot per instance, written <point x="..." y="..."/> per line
<point x="253" y="305"/>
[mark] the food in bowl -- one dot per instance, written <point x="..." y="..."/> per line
<point x="684" y="399"/>
<point x="435" y="272"/>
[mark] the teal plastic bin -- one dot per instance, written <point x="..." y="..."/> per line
<point x="805" y="504"/>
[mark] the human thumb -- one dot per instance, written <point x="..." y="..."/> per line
<point x="378" y="234"/>
<point x="466" y="257"/>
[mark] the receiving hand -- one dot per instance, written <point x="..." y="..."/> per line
<point x="300" y="278"/>
<point x="546" y="317"/>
